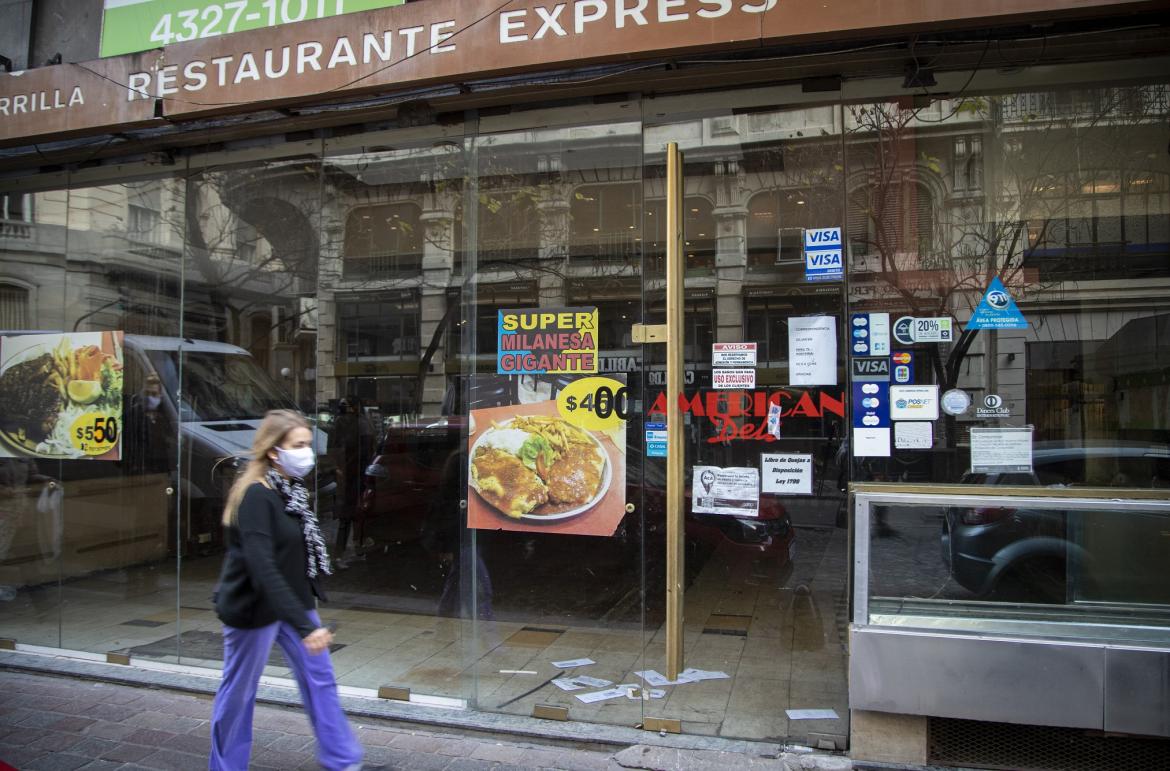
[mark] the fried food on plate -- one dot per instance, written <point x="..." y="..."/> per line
<point x="31" y="394"/>
<point x="575" y="477"/>
<point x="506" y="483"/>
<point x="559" y="433"/>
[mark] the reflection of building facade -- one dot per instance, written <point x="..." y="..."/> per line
<point x="354" y="255"/>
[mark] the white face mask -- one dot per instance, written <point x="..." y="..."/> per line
<point x="152" y="402"/>
<point x="296" y="463"/>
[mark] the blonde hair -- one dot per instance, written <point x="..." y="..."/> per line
<point x="271" y="434"/>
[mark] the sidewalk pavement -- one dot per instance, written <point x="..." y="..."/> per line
<point x="50" y="722"/>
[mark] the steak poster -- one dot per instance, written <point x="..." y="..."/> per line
<point x="541" y="466"/>
<point x="61" y="396"/>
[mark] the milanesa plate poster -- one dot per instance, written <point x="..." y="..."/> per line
<point x="61" y="396"/>
<point x="536" y="467"/>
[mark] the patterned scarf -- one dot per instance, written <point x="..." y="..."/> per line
<point x="296" y="504"/>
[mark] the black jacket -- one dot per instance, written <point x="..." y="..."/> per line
<point x="263" y="579"/>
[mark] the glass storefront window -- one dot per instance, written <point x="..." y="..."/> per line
<point x="360" y="279"/>
<point x="1035" y="190"/>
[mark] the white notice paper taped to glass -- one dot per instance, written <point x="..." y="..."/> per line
<point x="733" y="379"/>
<point x="812" y="350"/>
<point x="731" y="491"/>
<point x="913" y="436"/>
<point x="786" y="474"/>
<point x="871" y="442"/>
<point x="1001" y="450"/>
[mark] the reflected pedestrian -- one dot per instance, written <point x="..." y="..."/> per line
<point x="351" y="445"/>
<point x="149" y="448"/>
<point x="267" y="593"/>
<point x="21" y="488"/>
<point x="443" y="536"/>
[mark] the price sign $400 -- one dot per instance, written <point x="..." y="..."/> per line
<point x="595" y="403"/>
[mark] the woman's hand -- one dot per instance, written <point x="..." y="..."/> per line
<point x="318" y="641"/>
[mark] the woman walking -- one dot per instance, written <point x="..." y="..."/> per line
<point x="267" y="593"/>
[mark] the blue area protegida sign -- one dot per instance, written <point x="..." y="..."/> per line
<point x="997" y="310"/>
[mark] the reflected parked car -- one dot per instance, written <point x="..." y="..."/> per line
<point x="400" y="482"/>
<point x="1055" y="556"/>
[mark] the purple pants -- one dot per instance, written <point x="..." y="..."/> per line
<point x="245" y="652"/>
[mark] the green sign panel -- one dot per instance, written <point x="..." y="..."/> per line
<point x="140" y="25"/>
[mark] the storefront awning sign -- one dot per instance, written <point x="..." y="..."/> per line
<point x="386" y="49"/>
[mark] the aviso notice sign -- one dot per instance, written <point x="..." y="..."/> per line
<point x="129" y="26"/>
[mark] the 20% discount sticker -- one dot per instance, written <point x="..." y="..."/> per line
<point x="595" y="403"/>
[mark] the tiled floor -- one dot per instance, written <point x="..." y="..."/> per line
<point x="780" y="636"/>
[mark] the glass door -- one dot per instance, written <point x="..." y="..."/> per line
<point x="766" y="566"/>
<point x="33" y="259"/>
<point x="553" y="226"/>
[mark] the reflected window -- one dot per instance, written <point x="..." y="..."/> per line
<point x="246" y="239"/>
<point x="968" y="164"/>
<point x="509" y="230"/>
<point x="16" y="207"/>
<point x="766" y="323"/>
<point x="383" y="241"/>
<point x="378" y="326"/>
<point x="698" y="226"/>
<point x="144" y="211"/>
<point x="892" y="219"/>
<point x="1082" y="225"/>
<point x="776" y="223"/>
<point x="14" y="307"/>
<point x="615" y="317"/>
<point x="605" y="221"/>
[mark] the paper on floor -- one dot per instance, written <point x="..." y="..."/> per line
<point x="612" y="693"/>
<point x="656" y="678"/>
<point x="577" y="683"/>
<point x="811" y="714"/>
<point x="592" y="682"/>
<point x="572" y="663"/>
<point x="697" y="675"/>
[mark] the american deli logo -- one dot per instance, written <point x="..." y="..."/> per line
<point x="727" y="410"/>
